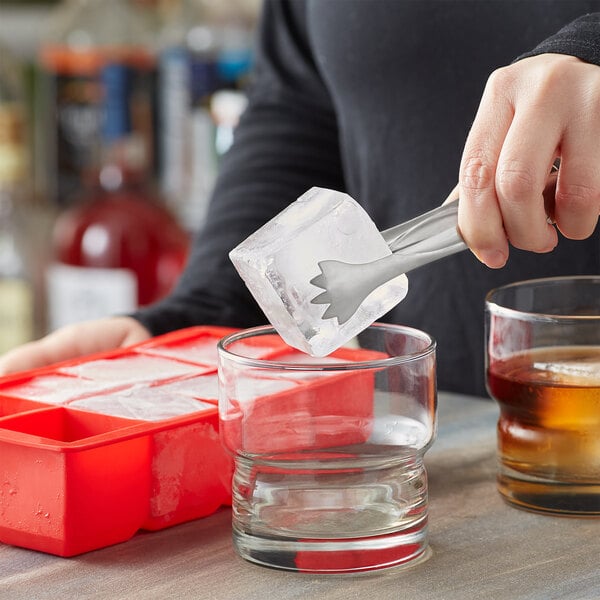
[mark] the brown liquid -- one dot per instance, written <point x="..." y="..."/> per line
<point x="549" y="428"/>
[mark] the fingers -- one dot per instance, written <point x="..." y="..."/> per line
<point x="453" y="195"/>
<point x="530" y="113"/>
<point x="88" y="337"/>
<point x="73" y="341"/>
<point x="577" y="197"/>
<point x="27" y="356"/>
<point x="479" y="215"/>
<point x="523" y="168"/>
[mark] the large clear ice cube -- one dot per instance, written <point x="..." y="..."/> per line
<point x="56" y="389"/>
<point x="142" y="403"/>
<point x="135" y="368"/>
<point x="202" y="387"/>
<point x="278" y="261"/>
<point x="249" y="388"/>
<point x="583" y="371"/>
<point x="204" y="350"/>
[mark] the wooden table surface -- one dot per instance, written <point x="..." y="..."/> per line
<point x="481" y="547"/>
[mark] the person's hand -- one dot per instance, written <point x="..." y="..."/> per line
<point x="531" y="113"/>
<point x="73" y="341"/>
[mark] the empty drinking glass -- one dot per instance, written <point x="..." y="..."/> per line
<point x="329" y="473"/>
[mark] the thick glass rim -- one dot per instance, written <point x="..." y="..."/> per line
<point x="501" y="310"/>
<point x="317" y="366"/>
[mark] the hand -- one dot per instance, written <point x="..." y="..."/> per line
<point x="73" y="341"/>
<point x="531" y="113"/>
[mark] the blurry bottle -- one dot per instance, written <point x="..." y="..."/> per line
<point x="117" y="247"/>
<point x="188" y="77"/>
<point x="235" y="51"/>
<point x="81" y="37"/>
<point x="17" y="311"/>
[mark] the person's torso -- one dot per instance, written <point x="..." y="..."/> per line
<point x="406" y="77"/>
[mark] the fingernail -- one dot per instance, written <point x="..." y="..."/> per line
<point x="492" y="258"/>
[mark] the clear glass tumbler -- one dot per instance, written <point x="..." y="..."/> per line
<point x="329" y="474"/>
<point x="543" y="369"/>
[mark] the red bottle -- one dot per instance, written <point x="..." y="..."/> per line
<point x="118" y="247"/>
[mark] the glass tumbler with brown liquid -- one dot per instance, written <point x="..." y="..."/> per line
<point x="543" y="369"/>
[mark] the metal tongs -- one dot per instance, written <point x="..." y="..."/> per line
<point x="417" y="242"/>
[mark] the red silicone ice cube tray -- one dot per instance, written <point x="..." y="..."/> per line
<point x="74" y="479"/>
<point x="95" y="449"/>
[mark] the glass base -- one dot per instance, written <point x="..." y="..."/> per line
<point x="349" y="555"/>
<point x="547" y="496"/>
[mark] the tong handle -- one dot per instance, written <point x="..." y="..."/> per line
<point x="434" y="232"/>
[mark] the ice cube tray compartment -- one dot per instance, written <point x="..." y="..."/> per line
<point x="202" y="349"/>
<point x="70" y="482"/>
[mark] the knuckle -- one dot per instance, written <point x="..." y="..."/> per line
<point x="552" y="78"/>
<point x="477" y="173"/>
<point x="515" y="181"/>
<point x="577" y="196"/>
<point x="543" y="81"/>
<point x="500" y="80"/>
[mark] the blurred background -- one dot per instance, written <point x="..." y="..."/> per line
<point x="114" y="115"/>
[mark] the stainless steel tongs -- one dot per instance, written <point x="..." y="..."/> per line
<point x="417" y="242"/>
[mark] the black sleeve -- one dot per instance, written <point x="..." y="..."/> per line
<point x="286" y="142"/>
<point x="581" y="38"/>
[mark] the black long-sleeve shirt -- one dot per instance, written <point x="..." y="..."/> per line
<point x="375" y="98"/>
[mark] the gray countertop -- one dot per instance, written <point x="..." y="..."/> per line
<point x="481" y="547"/>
